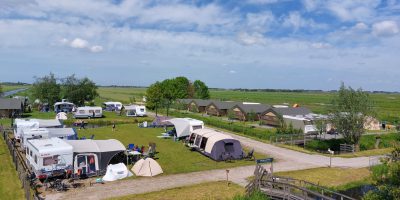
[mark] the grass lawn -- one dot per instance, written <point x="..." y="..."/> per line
<point x="330" y="177"/>
<point x="173" y="157"/>
<point x="10" y="186"/>
<point x="211" y="190"/>
<point x="124" y="95"/>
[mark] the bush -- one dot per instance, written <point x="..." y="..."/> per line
<point x="257" y="195"/>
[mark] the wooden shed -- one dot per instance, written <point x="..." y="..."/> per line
<point x="273" y="116"/>
<point x="242" y="111"/>
<point x="10" y="107"/>
<point x="220" y="108"/>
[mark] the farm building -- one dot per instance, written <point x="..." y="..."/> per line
<point x="219" y="108"/>
<point x="10" y="107"/>
<point x="216" y="145"/>
<point x="198" y="105"/>
<point x="243" y="111"/>
<point x="273" y="116"/>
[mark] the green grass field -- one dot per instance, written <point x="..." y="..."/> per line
<point x="204" y="191"/>
<point x="6" y="88"/>
<point x="173" y="157"/>
<point x="10" y="186"/>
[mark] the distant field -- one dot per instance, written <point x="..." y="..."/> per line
<point x="387" y="105"/>
<point x="6" y="88"/>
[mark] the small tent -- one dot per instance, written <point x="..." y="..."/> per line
<point x="185" y="126"/>
<point x="117" y="171"/>
<point x="216" y="145"/>
<point x="147" y="167"/>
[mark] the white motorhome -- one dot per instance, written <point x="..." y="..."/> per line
<point x="185" y="126"/>
<point x="135" y="111"/>
<point x="63" y="106"/>
<point x="49" y="157"/>
<point x="21" y="125"/>
<point x="112" y="106"/>
<point x="45" y="133"/>
<point x="299" y="122"/>
<point x="88" y="112"/>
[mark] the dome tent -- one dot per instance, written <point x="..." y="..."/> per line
<point x="147" y="167"/>
<point x="117" y="171"/>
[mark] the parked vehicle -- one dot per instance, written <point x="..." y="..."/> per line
<point x="45" y="133"/>
<point x="49" y="157"/>
<point x="63" y="106"/>
<point x="135" y="111"/>
<point x="88" y="112"/>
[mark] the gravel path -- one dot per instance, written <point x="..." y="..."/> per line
<point x="288" y="160"/>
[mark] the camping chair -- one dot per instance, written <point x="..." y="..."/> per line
<point x="250" y="155"/>
<point x="91" y="137"/>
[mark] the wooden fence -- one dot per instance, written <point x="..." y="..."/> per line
<point x="21" y="167"/>
<point x="347" y="148"/>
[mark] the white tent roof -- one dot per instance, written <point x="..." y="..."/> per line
<point x="203" y="131"/>
<point x="60" y="132"/>
<point x="61" y="116"/>
<point x="63" y="103"/>
<point x="96" y="145"/>
<point x="51" y="145"/>
<point x="89" y="108"/>
<point x="117" y="171"/>
<point x="147" y="167"/>
<point x="215" y="138"/>
<point x="182" y="125"/>
<point x="43" y="123"/>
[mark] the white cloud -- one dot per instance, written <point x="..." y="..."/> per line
<point x="296" y="21"/>
<point x="64" y="41"/>
<point x="96" y="48"/>
<point x="232" y="71"/>
<point x="262" y="1"/>
<point x="360" y="26"/>
<point x="79" y="43"/>
<point x="385" y="28"/>
<point x="353" y="10"/>
<point x="251" y="39"/>
<point x="321" y="45"/>
<point x="260" y="22"/>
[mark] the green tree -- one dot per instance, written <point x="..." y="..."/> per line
<point x="200" y="90"/>
<point x="251" y="116"/>
<point x="79" y="90"/>
<point x="349" y="109"/>
<point x="46" y="89"/>
<point x="169" y="92"/>
<point x="387" y="177"/>
<point x="179" y="87"/>
<point x="154" y="96"/>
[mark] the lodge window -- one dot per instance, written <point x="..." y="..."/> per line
<point x="197" y="127"/>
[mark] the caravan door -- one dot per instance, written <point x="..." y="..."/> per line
<point x="86" y="164"/>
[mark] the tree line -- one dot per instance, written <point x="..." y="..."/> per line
<point x="162" y="94"/>
<point x="49" y="89"/>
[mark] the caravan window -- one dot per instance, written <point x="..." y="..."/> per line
<point x="91" y="111"/>
<point x="197" y="127"/>
<point x="51" y="160"/>
<point x="81" y="112"/>
<point x="97" y="111"/>
<point x="30" y="152"/>
<point x="142" y="110"/>
<point x="35" y="159"/>
<point x="203" y="143"/>
<point x="197" y="140"/>
<point x="229" y="147"/>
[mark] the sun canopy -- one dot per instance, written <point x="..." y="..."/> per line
<point x="184" y="126"/>
<point x="117" y="171"/>
<point x="147" y="167"/>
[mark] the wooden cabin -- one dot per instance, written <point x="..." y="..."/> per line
<point x="10" y="107"/>
<point x="198" y="105"/>
<point x="219" y="108"/>
<point x="273" y="116"/>
<point x="242" y="111"/>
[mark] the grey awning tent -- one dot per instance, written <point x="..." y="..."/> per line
<point x="104" y="149"/>
<point x="216" y="145"/>
<point x="49" y="123"/>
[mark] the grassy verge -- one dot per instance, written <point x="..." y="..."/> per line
<point x="211" y="190"/>
<point x="10" y="186"/>
<point x="173" y="157"/>
<point x="336" y="178"/>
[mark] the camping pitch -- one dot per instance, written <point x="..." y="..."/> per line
<point x="147" y="167"/>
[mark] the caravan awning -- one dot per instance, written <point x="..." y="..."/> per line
<point x="61" y="132"/>
<point x="182" y="125"/>
<point x="43" y="123"/>
<point x="82" y="146"/>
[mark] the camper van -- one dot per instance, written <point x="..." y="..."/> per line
<point x="185" y="126"/>
<point x="21" y="125"/>
<point x="112" y="106"/>
<point x="305" y="124"/>
<point x="45" y="133"/>
<point x="88" y="112"/>
<point x="63" y="106"/>
<point x="49" y="157"/>
<point x="135" y="111"/>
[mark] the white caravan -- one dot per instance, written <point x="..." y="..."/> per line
<point x="88" y="112"/>
<point x="135" y="111"/>
<point x="185" y="126"/>
<point x="21" y="125"/>
<point x="112" y="105"/>
<point x="303" y="123"/>
<point x="63" y="106"/>
<point x="45" y="133"/>
<point x="49" y="157"/>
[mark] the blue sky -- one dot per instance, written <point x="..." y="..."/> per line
<point x="303" y="44"/>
